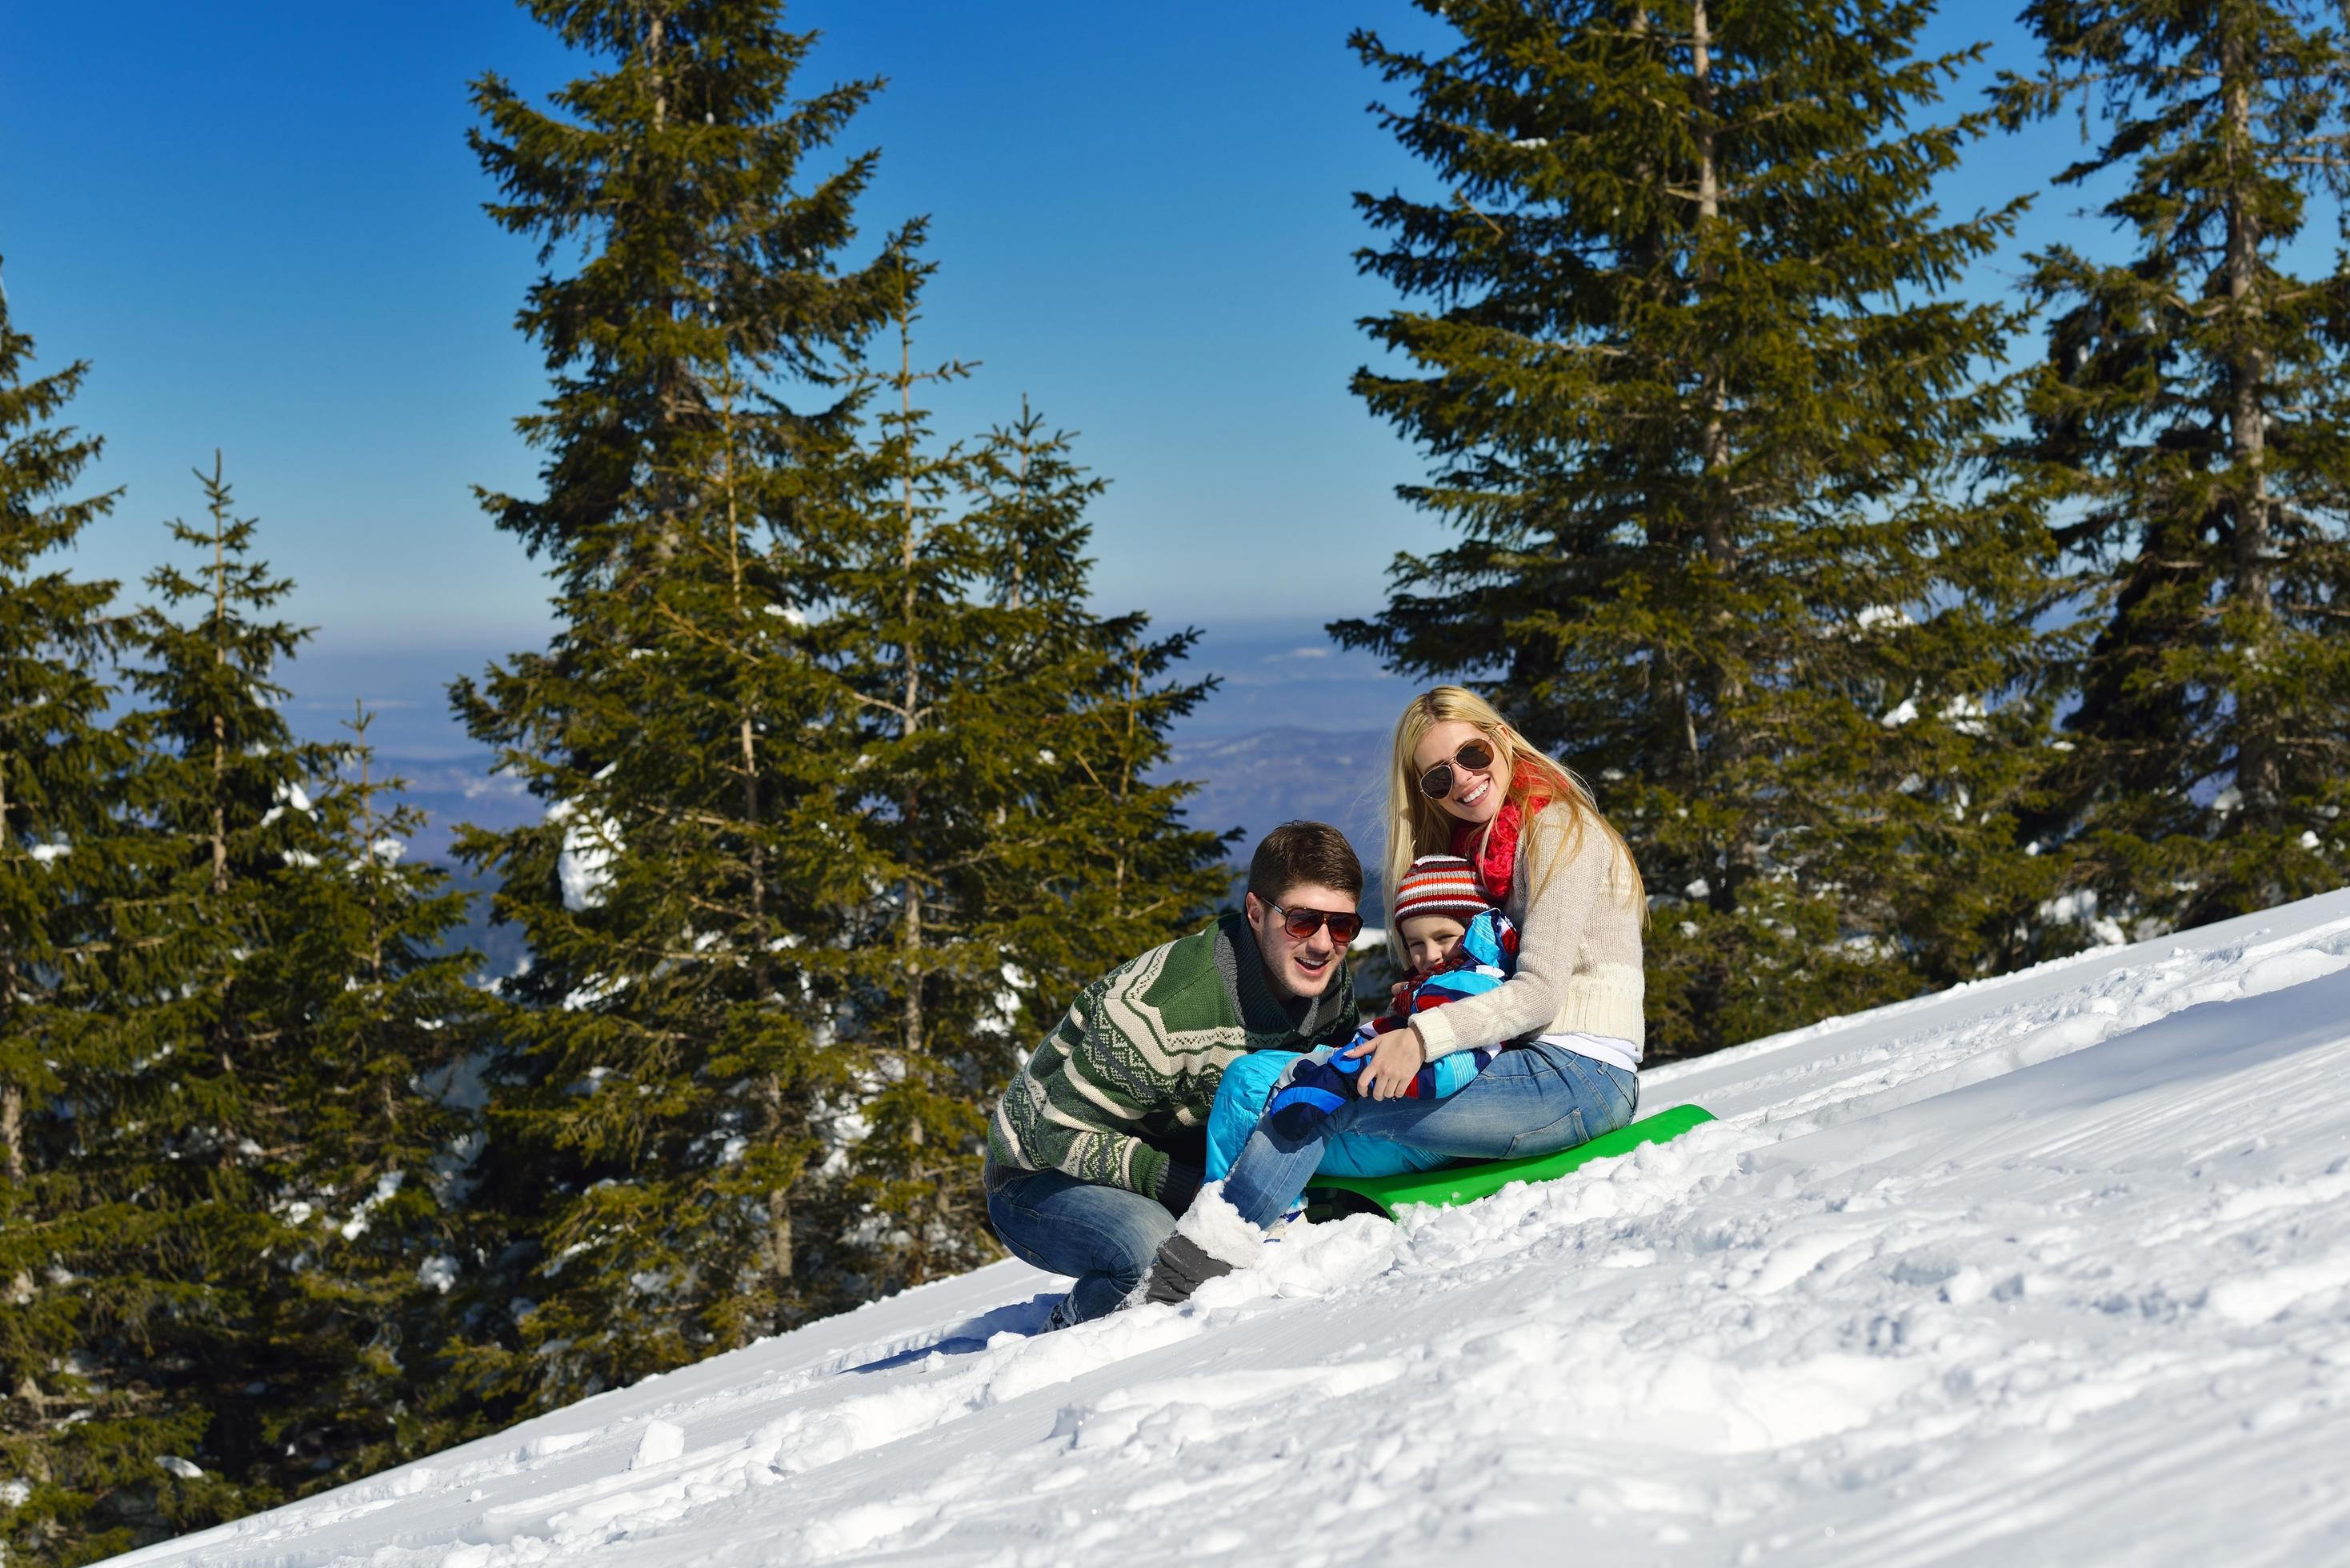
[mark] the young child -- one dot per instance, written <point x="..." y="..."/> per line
<point x="1457" y="944"/>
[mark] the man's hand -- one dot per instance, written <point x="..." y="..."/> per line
<point x="1395" y="1057"/>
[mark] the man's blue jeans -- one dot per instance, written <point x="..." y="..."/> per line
<point x="1533" y="1099"/>
<point x="1106" y="1236"/>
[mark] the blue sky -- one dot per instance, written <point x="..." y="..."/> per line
<point x="260" y="224"/>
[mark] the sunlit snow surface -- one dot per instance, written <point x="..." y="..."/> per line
<point x="2053" y="1269"/>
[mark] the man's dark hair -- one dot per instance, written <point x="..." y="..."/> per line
<point x="1297" y="853"/>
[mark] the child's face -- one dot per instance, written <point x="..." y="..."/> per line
<point x="1428" y="940"/>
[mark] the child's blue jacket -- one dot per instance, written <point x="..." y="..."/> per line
<point x="1482" y="960"/>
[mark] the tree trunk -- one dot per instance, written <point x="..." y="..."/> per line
<point x="12" y="1129"/>
<point x="12" y="1096"/>
<point x="653" y="26"/>
<point x="1019" y="540"/>
<point x="779" y="1236"/>
<point x="910" y="719"/>
<point x="220" y="655"/>
<point x="1126" y="772"/>
<point x="762" y="961"/>
<point x="2256" y="765"/>
<point x="1720" y="546"/>
<point x="779" y="1199"/>
<point x="672" y="376"/>
<point x="1716" y="449"/>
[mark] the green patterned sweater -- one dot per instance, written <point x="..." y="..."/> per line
<point x="1136" y="1062"/>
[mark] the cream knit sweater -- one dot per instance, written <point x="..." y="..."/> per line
<point x="1578" y="948"/>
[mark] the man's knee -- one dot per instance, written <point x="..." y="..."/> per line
<point x="1135" y="1242"/>
<point x="1076" y="1228"/>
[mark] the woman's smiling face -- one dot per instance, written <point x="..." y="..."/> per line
<point x="1477" y="793"/>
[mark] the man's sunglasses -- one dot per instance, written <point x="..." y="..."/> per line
<point x="1303" y="923"/>
<point x="1437" y="782"/>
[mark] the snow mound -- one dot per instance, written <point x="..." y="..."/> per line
<point x="2050" y="1269"/>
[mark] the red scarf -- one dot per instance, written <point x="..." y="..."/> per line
<point x="1497" y="862"/>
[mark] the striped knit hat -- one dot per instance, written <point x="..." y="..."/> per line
<point x="1441" y="885"/>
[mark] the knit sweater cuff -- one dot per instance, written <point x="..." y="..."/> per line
<point x="1437" y="1036"/>
<point x="1149" y="1167"/>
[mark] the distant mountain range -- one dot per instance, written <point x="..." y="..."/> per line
<point x="1253" y="780"/>
<point x="1295" y="728"/>
<point x="1258" y="779"/>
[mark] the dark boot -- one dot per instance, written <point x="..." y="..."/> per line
<point x="1181" y="1267"/>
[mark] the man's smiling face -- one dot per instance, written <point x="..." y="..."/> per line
<point x="1299" y="967"/>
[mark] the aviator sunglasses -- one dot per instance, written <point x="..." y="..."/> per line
<point x="1306" y="922"/>
<point x="1437" y="782"/>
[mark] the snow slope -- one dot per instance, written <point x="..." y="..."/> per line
<point x="2052" y="1269"/>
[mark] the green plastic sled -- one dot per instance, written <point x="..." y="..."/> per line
<point x="1334" y="1197"/>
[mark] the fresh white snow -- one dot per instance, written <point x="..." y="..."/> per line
<point x="2050" y="1269"/>
<point x="584" y="864"/>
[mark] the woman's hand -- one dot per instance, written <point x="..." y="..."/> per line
<point x="1395" y="1057"/>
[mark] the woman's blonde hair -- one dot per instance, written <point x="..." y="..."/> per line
<point x="1417" y="825"/>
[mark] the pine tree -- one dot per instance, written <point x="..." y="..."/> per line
<point x="677" y="174"/>
<point x="213" y="1251"/>
<point x="998" y="790"/>
<point x="371" y="1086"/>
<point x="740" y="1091"/>
<point x="1701" y="416"/>
<point x="2188" y="447"/>
<point x="60" y="770"/>
<point x="169" y="1063"/>
<point x="661" y="1120"/>
<point x="1122" y="870"/>
<point x="893" y="627"/>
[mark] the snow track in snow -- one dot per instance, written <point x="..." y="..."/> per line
<point x="2054" y="1268"/>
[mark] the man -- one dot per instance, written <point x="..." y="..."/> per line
<point x="1093" y="1151"/>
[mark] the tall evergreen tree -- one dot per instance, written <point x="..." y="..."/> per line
<point x="1123" y="869"/>
<point x="677" y="172"/>
<point x="60" y="774"/>
<point x="896" y="560"/>
<point x="742" y="1091"/>
<point x="661" y="1120"/>
<point x="370" y="1095"/>
<point x="2190" y="439"/>
<point x="170" y="1065"/>
<point x="234" y="1217"/>
<point x="997" y="781"/>
<point x="1700" y="412"/>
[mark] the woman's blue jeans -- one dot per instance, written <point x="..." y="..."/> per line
<point x="1533" y="1099"/>
<point x="1106" y="1236"/>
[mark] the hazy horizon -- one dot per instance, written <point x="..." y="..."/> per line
<point x="1279" y="678"/>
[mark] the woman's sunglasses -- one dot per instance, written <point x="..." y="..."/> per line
<point x="1302" y="923"/>
<point x="1437" y="782"/>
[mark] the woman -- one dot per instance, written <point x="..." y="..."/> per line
<point x="1466" y="783"/>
